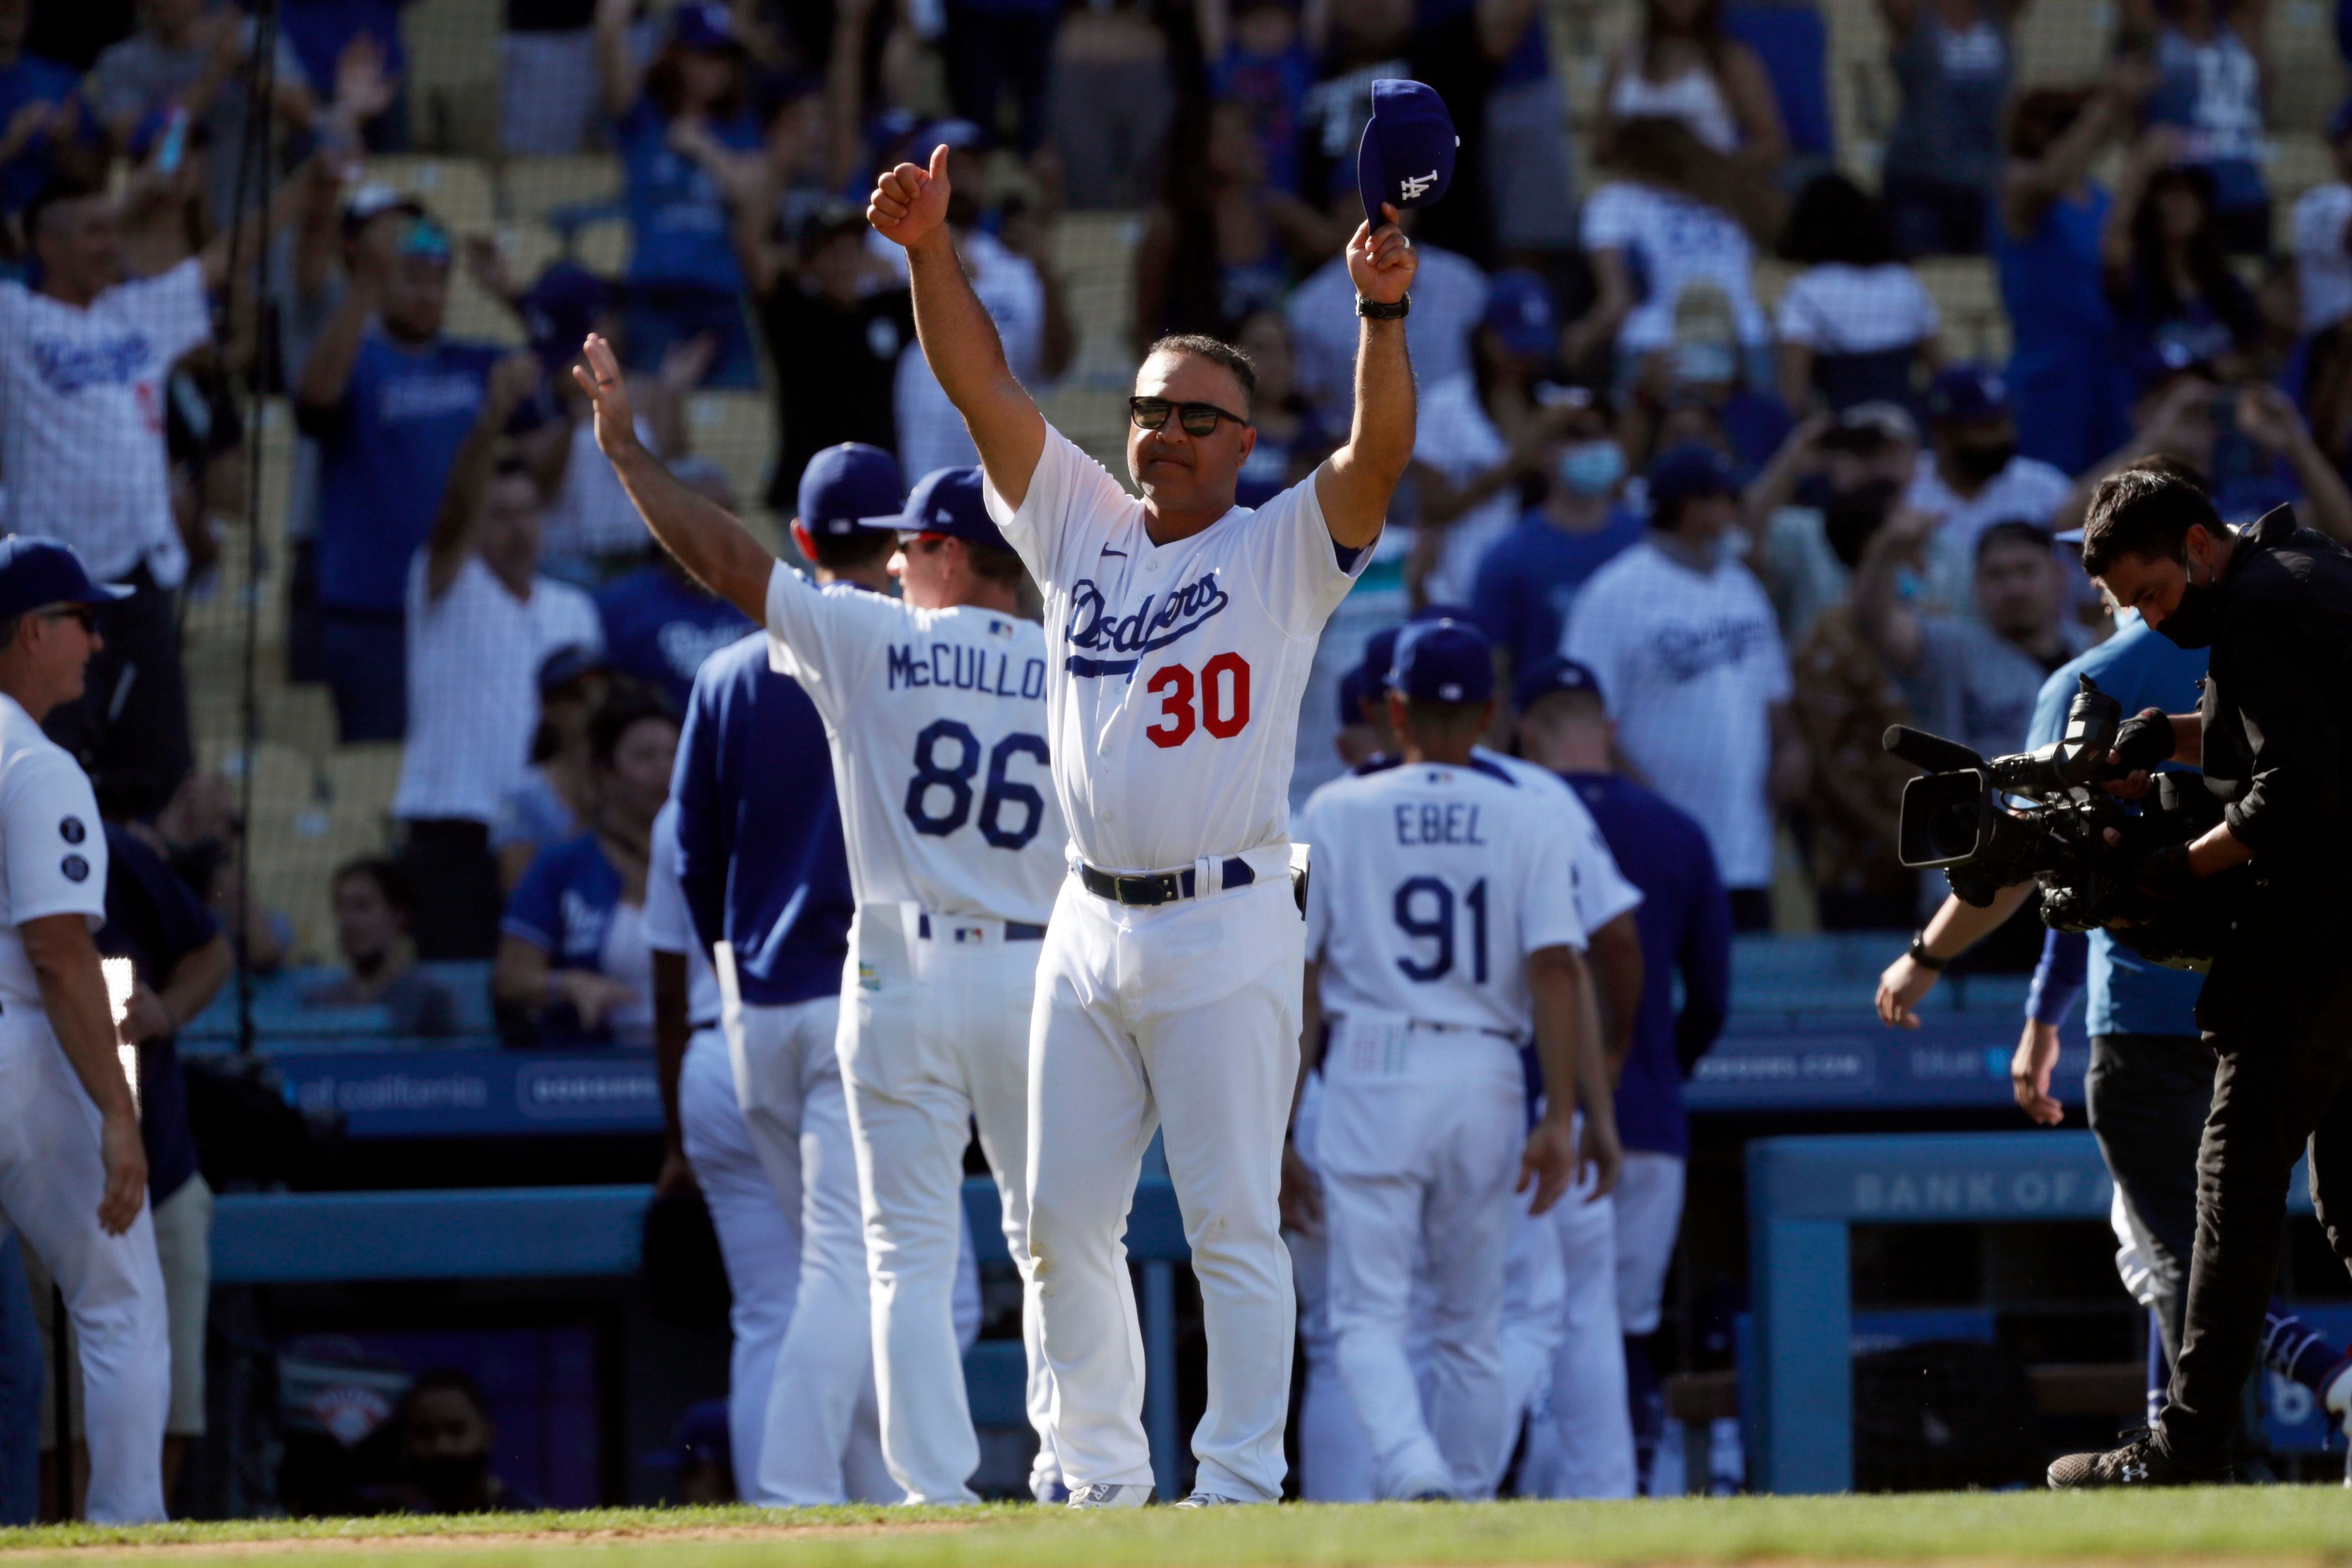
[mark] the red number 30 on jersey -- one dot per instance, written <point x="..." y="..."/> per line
<point x="1223" y="687"/>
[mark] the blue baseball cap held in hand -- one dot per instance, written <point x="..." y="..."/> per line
<point x="948" y="501"/>
<point x="849" y="487"/>
<point x="37" y="572"/>
<point x="1406" y="158"/>
<point x="1557" y="673"/>
<point x="1442" y="661"/>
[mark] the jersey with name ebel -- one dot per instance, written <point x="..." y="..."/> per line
<point x="1432" y="884"/>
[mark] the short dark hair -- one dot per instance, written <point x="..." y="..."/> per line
<point x="61" y="189"/>
<point x="850" y="550"/>
<point x="628" y="704"/>
<point x="1445" y="717"/>
<point x="443" y="1380"/>
<point x="1835" y="220"/>
<point x="2012" y="530"/>
<point x="390" y="878"/>
<point x="2146" y="513"/>
<point x="990" y="564"/>
<point x="1217" y="351"/>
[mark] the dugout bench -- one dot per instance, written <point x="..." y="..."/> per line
<point x="1804" y="1195"/>
<point x="523" y="1233"/>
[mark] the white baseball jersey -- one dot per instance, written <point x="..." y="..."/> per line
<point x="52" y="845"/>
<point x="1432" y="885"/>
<point x="1175" y="669"/>
<point x="669" y="928"/>
<point x="1600" y="889"/>
<point x="936" y="720"/>
<point x="81" y="417"/>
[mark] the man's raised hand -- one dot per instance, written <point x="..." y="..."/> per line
<point x="1381" y="262"/>
<point x="600" y="378"/>
<point x="910" y="204"/>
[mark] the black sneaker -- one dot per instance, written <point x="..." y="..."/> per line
<point x="2139" y="1463"/>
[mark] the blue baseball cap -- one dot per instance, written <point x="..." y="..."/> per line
<point x="1687" y="473"/>
<point x="1442" y="661"/>
<point x="1546" y="675"/>
<point x="37" y="572"/>
<point x="1356" y="689"/>
<point x="948" y="501"/>
<point x="703" y="25"/>
<point x="702" y="1435"/>
<point x="850" y="487"/>
<point x="1406" y="158"/>
<point x="1967" y="392"/>
<point x="560" y="310"/>
<point x="1519" y="312"/>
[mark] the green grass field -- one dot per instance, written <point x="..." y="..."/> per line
<point x="2266" y="1525"/>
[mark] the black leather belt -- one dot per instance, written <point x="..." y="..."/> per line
<point x="1152" y="887"/>
<point x="1015" y="931"/>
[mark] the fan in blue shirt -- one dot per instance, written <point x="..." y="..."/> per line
<point x="26" y="80"/>
<point x="572" y="946"/>
<point x="660" y="625"/>
<point x="390" y="401"/>
<point x="687" y="138"/>
<point x="1529" y="578"/>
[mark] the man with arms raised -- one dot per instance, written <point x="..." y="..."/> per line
<point x="1179" y="632"/>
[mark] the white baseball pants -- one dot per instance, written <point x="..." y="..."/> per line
<point x="758" y="1240"/>
<point x="1186" y="1017"/>
<point x="1419" y="1146"/>
<point x="788" y="1082"/>
<point x="1587" y="1450"/>
<point x="1335" y="1456"/>
<point x="1648" y="1202"/>
<point x="934" y="1037"/>
<point x="52" y="1178"/>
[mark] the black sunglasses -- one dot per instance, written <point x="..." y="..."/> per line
<point x="86" y="614"/>
<point x="1197" y="418"/>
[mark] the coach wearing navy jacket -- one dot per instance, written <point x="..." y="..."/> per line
<point x="1685" y="921"/>
<point x="767" y="882"/>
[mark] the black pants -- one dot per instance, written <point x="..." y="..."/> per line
<point x="129" y="727"/>
<point x="456" y="879"/>
<point x="2148" y="1095"/>
<point x="2278" y="1012"/>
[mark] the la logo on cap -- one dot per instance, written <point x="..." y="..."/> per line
<point x="1417" y="185"/>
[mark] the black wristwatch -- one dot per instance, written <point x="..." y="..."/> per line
<point x="1921" y="956"/>
<point x="1372" y="311"/>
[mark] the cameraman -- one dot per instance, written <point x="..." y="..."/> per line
<point x="2150" y="1075"/>
<point x="2274" y="603"/>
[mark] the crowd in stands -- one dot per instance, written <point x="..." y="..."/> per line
<point x="1689" y="411"/>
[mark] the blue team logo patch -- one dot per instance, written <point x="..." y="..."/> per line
<point x="76" y="868"/>
<point x="72" y="831"/>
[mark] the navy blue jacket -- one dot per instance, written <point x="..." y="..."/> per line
<point x="1685" y="923"/>
<point x="758" y="830"/>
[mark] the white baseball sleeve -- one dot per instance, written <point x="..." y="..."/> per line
<point x="829" y="639"/>
<point x="56" y="843"/>
<point x="1069" y="494"/>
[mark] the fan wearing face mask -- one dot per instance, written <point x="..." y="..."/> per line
<point x="1528" y="580"/>
<point x="1976" y="479"/>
